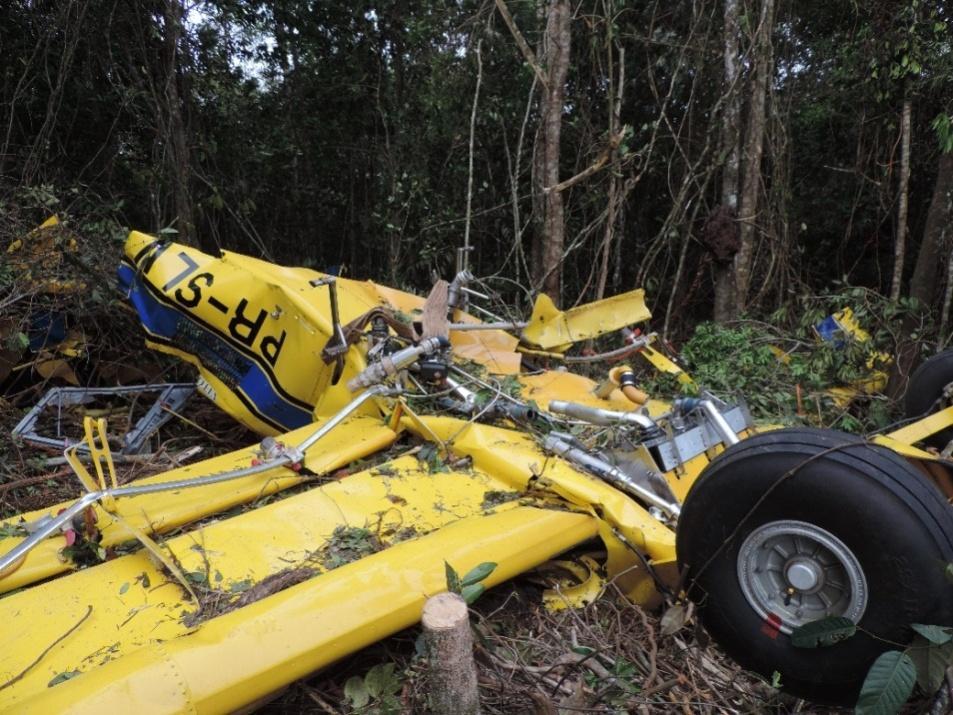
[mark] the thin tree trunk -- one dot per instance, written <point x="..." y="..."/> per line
<point x="925" y="282"/>
<point x="179" y="158"/>
<point x="557" y="66"/>
<point x="615" y="109"/>
<point x="900" y="245"/>
<point x="763" y="70"/>
<point x="936" y="236"/>
<point x="731" y="155"/>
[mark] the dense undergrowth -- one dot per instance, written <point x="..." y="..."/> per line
<point x="784" y="370"/>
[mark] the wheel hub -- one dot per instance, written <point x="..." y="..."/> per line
<point x="794" y="572"/>
<point x="804" y="574"/>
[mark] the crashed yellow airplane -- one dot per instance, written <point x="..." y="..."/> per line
<point x="490" y="459"/>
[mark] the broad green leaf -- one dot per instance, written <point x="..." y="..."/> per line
<point x="472" y="592"/>
<point x="356" y="692"/>
<point x="934" y="634"/>
<point x="380" y="680"/>
<point x="888" y="684"/>
<point x="824" y="632"/>
<point x="478" y="573"/>
<point x="453" y="580"/>
<point x="931" y="662"/>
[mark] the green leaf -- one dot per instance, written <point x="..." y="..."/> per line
<point x="355" y="692"/>
<point x="472" y="592"/>
<point x="453" y="580"/>
<point x="478" y="573"/>
<point x="380" y="680"/>
<point x="582" y="650"/>
<point x="824" y="632"/>
<point x="62" y="677"/>
<point x="934" y="634"/>
<point x="124" y="588"/>
<point x="888" y="684"/>
<point x="240" y="586"/>
<point x="931" y="662"/>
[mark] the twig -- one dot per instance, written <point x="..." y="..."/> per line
<point x="18" y="677"/>
<point x="653" y="651"/>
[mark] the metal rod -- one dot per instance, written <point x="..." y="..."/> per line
<point x="718" y="422"/>
<point x="47" y="529"/>
<point x="57" y="522"/>
<point x="474" y="293"/>
<point x="477" y="308"/>
<point x="502" y="325"/>
<point x="558" y="444"/>
<point x="599" y="416"/>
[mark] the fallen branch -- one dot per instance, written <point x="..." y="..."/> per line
<point x="527" y="51"/>
<point x="598" y="165"/>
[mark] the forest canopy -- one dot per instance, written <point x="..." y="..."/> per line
<point x="728" y="156"/>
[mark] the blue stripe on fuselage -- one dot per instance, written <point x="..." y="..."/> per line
<point x="234" y="369"/>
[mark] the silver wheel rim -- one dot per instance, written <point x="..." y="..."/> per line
<point x="793" y="572"/>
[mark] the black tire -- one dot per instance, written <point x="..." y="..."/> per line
<point x="895" y="522"/>
<point x="925" y="393"/>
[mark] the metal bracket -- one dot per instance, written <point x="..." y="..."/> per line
<point x="336" y="347"/>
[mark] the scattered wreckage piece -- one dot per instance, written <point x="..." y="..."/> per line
<point x="170" y="397"/>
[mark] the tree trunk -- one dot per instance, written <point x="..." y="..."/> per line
<point x="731" y="155"/>
<point x="762" y="72"/>
<point x="552" y="238"/>
<point x="900" y="245"/>
<point x="925" y="282"/>
<point x="177" y="136"/>
<point x="452" y="672"/>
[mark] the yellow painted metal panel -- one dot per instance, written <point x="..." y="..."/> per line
<point x="921" y="429"/>
<point x="245" y="655"/>
<point x="552" y="329"/>
<point x="515" y="457"/>
<point x="161" y="512"/>
<point x="134" y="604"/>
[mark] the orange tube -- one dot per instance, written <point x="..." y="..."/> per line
<point x="623" y="377"/>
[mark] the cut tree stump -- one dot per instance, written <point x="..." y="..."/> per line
<point x="452" y="670"/>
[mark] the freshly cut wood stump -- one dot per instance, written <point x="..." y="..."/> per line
<point x="452" y="670"/>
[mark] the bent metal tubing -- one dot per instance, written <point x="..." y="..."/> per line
<point x="49" y="527"/>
